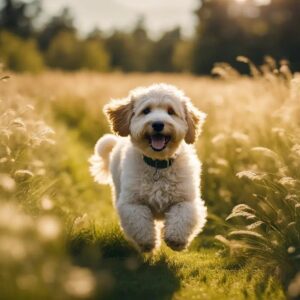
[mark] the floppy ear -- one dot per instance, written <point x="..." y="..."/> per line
<point x="119" y="113"/>
<point x="195" y="119"/>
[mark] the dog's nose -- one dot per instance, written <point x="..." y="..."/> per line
<point x="158" y="126"/>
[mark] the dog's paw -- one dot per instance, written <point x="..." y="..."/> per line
<point x="146" y="247"/>
<point x="176" y="245"/>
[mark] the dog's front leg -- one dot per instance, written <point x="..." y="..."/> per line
<point x="183" y="222"/>
<point x="138" y="224"/>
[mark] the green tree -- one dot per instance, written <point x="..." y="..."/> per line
<point x="93" y="56"/>
<point x="182" y="56"/>
<point x="130" y="51"/>
<point x="163" y="50"/>
<point x="64" y="51"/>
<point x="18" y="16"/>
<point x="219" y="36"/>
<point x="19" y="55"/>
<point x="227" y="29"/>
<point x="283" y="39"/>
<point x="141" y="46"/>
<point x="63" y="22"/>
<point x="120" y="47"/>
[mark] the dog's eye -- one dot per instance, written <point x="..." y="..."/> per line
<point x="146" y="111"/>
<point x="171" y="111"/>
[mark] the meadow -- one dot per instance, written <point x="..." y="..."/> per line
<point x="59" y="235"/>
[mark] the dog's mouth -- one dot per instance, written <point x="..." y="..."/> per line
<point x="158" y="142"/>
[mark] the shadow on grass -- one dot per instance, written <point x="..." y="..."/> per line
<point x="121" y="272"/>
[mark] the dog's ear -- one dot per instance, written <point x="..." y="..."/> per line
<point x="119" y="113"/>
<point x="195" y="119"/>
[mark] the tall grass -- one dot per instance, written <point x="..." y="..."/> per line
<point x="32" y="248"/>
<point x="266" y="223"/>
<point x="250" y="153"/>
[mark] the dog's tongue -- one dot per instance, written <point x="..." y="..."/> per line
<point x="158" y="141"/>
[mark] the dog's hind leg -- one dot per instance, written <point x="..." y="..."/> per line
<point x="183" y="222"/>
<point x="138" y="224"/>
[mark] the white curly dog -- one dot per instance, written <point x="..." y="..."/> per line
<point x="154" y="168"/>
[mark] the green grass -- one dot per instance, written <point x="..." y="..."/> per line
<point x="200" y="273"/>
<point x="123" y="273"/>
<point x="90" y="251"/>
<point x="203" y="274"/>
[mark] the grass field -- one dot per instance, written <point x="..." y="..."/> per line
<point x="59" y="235"/>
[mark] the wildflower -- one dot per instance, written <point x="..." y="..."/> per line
<point x="251" y="175"/>
<point x="288" y="182"/>
<point x="247" y="233"/>
<point x="218" y="139"/>
<point x="19" y="123"/>
<point x="243" y="59"/>
<point x="254" y="225"/>
<point x="242" y="210"/>
<point x="41" y="134"/>
<point x="23" y="174"/>
<point x="266" y="152"/>
<point x="240" y="137"/>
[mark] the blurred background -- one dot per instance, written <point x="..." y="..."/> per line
<point x="135" y="36"/>
<point x="59" y="233"/>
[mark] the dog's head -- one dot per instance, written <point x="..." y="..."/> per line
<point x="157" y="118"/>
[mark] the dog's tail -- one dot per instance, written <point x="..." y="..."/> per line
<point x="99" y="162"/>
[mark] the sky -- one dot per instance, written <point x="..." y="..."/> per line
<point x="160" y="15"/>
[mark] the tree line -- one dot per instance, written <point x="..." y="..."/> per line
<point x="225" y="30"/>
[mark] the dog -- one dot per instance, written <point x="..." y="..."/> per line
<point x="152" y="166"/>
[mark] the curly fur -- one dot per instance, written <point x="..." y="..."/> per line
<point x="140" y="200"/>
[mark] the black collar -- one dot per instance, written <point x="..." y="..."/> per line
<point x="158" y="164"/>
